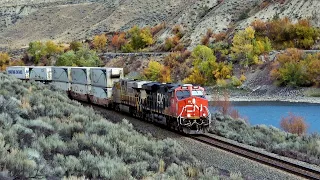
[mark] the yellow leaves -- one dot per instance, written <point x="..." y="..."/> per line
<point x="157" y="72"/>
<point x="53" y="48"/>
<point x="195" y="78"/>
<point x="147" y="36"/>
<point x="4" y="60"/>
<point x="100" y="42"/>
<point x="249" y="32"/>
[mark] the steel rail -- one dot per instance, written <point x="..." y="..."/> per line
<point x="265" y="158"/>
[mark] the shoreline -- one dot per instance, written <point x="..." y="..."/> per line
<point x="248" y="98"/>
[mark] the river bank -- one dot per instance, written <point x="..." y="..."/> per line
<point x="283" y="94"/>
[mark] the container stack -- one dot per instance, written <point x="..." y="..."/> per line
<point x="102" y="80"/>
<point x="41" y="73"/>
<point x="80" y="83"/>
<point x="61" y="77"/>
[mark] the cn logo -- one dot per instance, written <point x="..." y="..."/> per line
<point x="160" y="98"/>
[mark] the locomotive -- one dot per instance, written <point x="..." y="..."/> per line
<point x="182" y="107"/>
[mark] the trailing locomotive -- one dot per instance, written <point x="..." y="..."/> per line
<point x="180" y="107"/>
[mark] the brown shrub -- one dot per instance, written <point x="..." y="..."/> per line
<point x="223" y="105"/>
<point x="294" y="124"/>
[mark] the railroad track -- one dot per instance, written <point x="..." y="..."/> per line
<point x="265" y="158"/>
<point x="244" y="151"/>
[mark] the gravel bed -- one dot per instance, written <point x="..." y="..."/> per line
<point x="209" y="156"/>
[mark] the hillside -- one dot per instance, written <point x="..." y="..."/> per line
<point x="65" y="20"/>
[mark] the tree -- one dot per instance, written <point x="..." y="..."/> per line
<point x="37" y="50"/>
<point x="294" y="124"/>
<point x="67" y="59"/>
<point x="100" y="42"/>
<point x="75" y="45"/>
<point x="242" y="46"/>
<point x="52" y="48"/>
<point x="204" y="61"/>
<point x="4" y="60"/>
<point x="83" y="57"/>
<point x="157" y="72"/>
<point x="140" y="38"/>
<point x="118" y="41"/>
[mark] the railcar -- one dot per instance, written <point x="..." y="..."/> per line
<point x="182" y="107"/>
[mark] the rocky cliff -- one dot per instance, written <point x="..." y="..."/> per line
<point x="22" y="21"/>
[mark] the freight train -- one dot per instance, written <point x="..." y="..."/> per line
<point x="182" y="107"/>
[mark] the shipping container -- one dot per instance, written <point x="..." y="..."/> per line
<point x="41" y="73"/>
<point x="105" y="76"/>
<point x="20" y="72"/>
<point x="65" y="86"/>
<point x="101" y="96"/>
<point x="80" y="75"/>
<point x="80" y="91"/>
<point x="61" y="74"/>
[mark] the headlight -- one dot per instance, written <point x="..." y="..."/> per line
<point x="204" y="114"/>
<point x="188" y="115"/>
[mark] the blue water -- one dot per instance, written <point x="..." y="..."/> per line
<point x="270" y="113"/>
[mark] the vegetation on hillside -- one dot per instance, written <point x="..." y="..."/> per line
<point x="293" y="67"/>
<point x="43" y="134"/>
<point x="303" y="147"/>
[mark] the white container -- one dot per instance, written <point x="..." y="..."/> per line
<point x="62" y="74"/>
<point x="80" y="91"/>
<point x="100" y="95"/>
<point x="20" y="72"/>
<point x="65" y="86"/>
<point x="80" y="75"/>
<point x="41" y="73"/>
<point x="105" y="76"/>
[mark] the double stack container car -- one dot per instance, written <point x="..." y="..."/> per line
<point x="37" y="73"/>
<point x="102" y="80"/>
<point x="61" y="78"/>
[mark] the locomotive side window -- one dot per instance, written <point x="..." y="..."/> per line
<point x="183" y="94"/>
<point x="197" y="93"/>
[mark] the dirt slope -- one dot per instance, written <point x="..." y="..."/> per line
<point x="65" y="20"/>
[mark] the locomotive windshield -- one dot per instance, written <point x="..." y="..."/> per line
<point x="182" y="94"/>
<point x="197" y="93"/>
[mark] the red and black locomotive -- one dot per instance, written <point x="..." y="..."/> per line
<point x="180" y="107"/>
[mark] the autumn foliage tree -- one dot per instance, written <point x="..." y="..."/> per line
<point x="204" y="63"/>
<point x="4" y="60"/>
<point x="138" y="39"/>
<point x="157" y="72"/>
<point x="285" y="34"/>
<point x="100" y="42"/>
<point x="41" y="52"/>
<point x="294" y="124"/>
<point x="247" y="48"/>
<point x="118" y="41"/>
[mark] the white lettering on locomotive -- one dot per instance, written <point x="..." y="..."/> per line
<point x="160" y="98"/>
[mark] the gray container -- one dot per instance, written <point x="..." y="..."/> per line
<point x="20" y="72"/>
<point x="65" y="86"/>
<point x="101" y="95"/>
<point x="61" y="74"/>
<point x="41" y="73"/>
<point x="80" y="75"/>
<point x="105" y="76"/>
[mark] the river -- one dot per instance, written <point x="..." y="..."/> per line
<point x="271" y="113"/>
